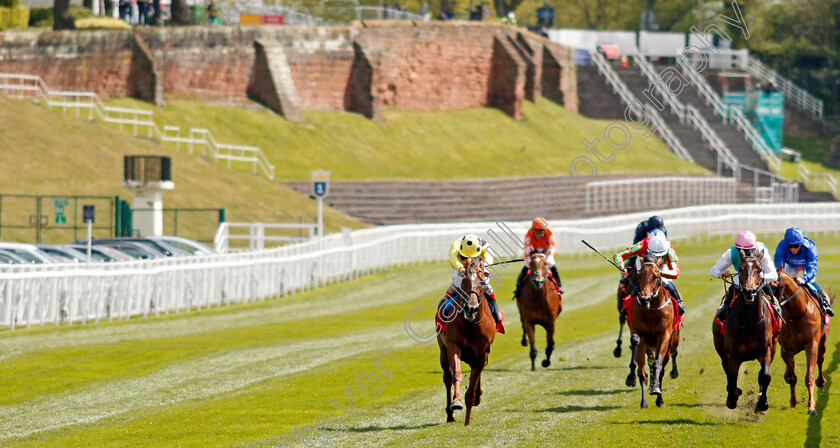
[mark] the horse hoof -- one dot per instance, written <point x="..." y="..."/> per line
<point x="659" y="401"/>
<point x="456" y="406"/>
<point x="524" y="342"/>
<point x="813" y="413"/>
<point x="450" y="419"/>
<point x="617" y="352"/>
<point x="655" y="391"/>
<point x="644" y="405"/>
<point x="732" y="403"/>
<point x="820" y="382"/>
<point x="761" y="408"/>
<point x="760" y="412"/>
<point x="630" y="381"/>
<point x="546" y="363"/>
<point x="675" y="374"/>
<point x="739" y="392"/>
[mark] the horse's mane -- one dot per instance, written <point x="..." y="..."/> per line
<point x="649" y="258"/>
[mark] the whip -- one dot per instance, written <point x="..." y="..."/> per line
<point x="599" y="253"/>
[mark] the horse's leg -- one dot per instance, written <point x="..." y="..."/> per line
<point x="478" y="393"/>
<point x="621" y="320"/>
<point x="639" y="355"/>
<point x="763" y="382"/>
<point x="675" y="342"/>
<point x="455" y="368"/>
<point x="529" y="330"/>
<point x="790" y="375"/>
<point x="658" y="366"/>
<point x="522" y="320"/>
<point x="659" y="400"/>
<point x="549" y="348"/>
<point x="820" y="358"/>
<point x="732" y="390"/>
<point x="475" y="375"/>
<point x="447" y="382"/>
<point x="634" y="345"/>
<point x="811" y="354"/>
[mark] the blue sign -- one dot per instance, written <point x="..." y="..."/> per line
<point x="320" y="189"/>
<point x="88" y="213"/>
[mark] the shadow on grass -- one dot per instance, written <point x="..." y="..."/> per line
<point x="589" y="393"/>
<point x="587" y="368"/>
<point x="375" y="428"/>
<point x="814" y="432"/>
<point x="572" y="408"/>
<point x="676" y="421"/>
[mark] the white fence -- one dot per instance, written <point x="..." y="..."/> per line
<point x="136" y="121"/>
<point x="255" y="234"/>
<point x="639" y="194"/>
<point x="78" y="293"/>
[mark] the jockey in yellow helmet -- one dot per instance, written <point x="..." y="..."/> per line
<point x="471" y="246"/>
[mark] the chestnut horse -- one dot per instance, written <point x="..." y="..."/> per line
<point x="802" y="330"/>
<point x="468" y="337"/>
<point x="539" y="305"/>
<point x="748" y="332"/>
<point x="652" y="331"/>
<point x="625" y="287"/>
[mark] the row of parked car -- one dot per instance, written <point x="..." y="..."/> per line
<point x="102" y="250"/>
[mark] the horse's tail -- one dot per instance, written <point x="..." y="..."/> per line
<point x="830" y="295"/>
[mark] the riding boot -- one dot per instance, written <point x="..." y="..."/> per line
<point x="723" y="311"/>
<point x="557" y="277"/>
<point x="675" y="294"/>
<point x="768" y="289"/>
<point x="826" y="303"/>
<point x="497" y="313"/>
<point x="519" y="282"/>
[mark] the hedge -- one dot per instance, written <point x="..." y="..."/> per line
<point x="15" y="17"/>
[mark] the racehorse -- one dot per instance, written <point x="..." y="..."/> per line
<point x="652" y="331"/>
<point x="539" y="305"/>
<point x="803" y="330"/>
<point x="748" y="332"/>
<point x="468" y="336"/>
<point x="624" y="288"/>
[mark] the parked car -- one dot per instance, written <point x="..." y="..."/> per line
<point x="156" y="244"/>
<point x="28" y="252"/>
<point x="10" y="258"/>
<point x="101" y="253"/>
<point x="185" y="244"/>
<point x="63" y="254"/>
<point x="133" y="249"/>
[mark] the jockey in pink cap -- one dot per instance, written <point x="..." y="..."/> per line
<point x="746" y="242"/>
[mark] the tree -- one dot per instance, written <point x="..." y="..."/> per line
<point x="180" y="13"/>
<point x="63" y="19"/>
<point x="503" y="7"/>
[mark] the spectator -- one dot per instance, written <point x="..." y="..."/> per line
<point x="135" y="12"/>
<point x="142" y="11"/>
<point x="212" y="13"/>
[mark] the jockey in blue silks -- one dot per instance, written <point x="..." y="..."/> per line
<point x="799" y="254"/>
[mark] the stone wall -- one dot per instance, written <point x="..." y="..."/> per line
<point x="364" y="67"/>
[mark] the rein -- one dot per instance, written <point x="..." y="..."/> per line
<point x="658" y="289"/>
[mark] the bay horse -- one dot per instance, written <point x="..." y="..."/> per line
<point x="539" y="304"/>
<point x="652" y="331"/>
<point x="748" y="332"/>
<point x="467" y="337"/>
<point x="803" y="330"/>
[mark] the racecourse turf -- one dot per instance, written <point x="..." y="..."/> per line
<point x="253" y="375"/>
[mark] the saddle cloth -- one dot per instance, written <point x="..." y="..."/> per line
<point x="777" y="320"/>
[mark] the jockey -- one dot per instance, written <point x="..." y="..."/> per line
<point x="470" y="246"/>
<point x="732" y="257"/>
<point x="539" y="239"/>
<point x="657" y="245"/>
<point x="799" y="254"/>
<point x="646" y="227"/>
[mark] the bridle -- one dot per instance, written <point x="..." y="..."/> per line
<point x="645" y="301"/>
<point x="748" y="294"/>
<point x="473" y="277"/>
<point x="538" y="283"/>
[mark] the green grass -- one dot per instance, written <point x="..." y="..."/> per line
<point x="469" y="143"/>
<point x="251" y="375"/>
<point x="814" y="154"/>
<point x="47" y="153"/>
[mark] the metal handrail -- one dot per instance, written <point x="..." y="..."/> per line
<point x="134" y="118"/>
<point x="791" y="91"/>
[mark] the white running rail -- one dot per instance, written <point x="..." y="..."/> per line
<point x="49" y="294"/>
<point x="630" y="100"/>
<point x="136" y="121"/>
<point x="256" y="234"/>
<point x="638" y="194"/>
<point x="818" y="181"/>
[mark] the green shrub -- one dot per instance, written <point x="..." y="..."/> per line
<point x="16" y="17"/>
<point x="101" y="23"/>
<point x="44" y="17"/>
<point x="9" y="3"/>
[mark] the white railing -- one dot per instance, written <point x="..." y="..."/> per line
<point x="385" y="13"/>
<point x="731" y="114"/>
<point x="819" y="181"/>
<point x="256" y="236"/>
<point x="136" y="121"/>
<point x="629" y="100"/>
<point x="639" y="194"/>
<point x="791" y="91"/>
<point x="37" y="295"/>
<point x="293" y="16"/>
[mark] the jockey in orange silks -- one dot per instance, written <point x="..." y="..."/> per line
<point x="539" y="240"/>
